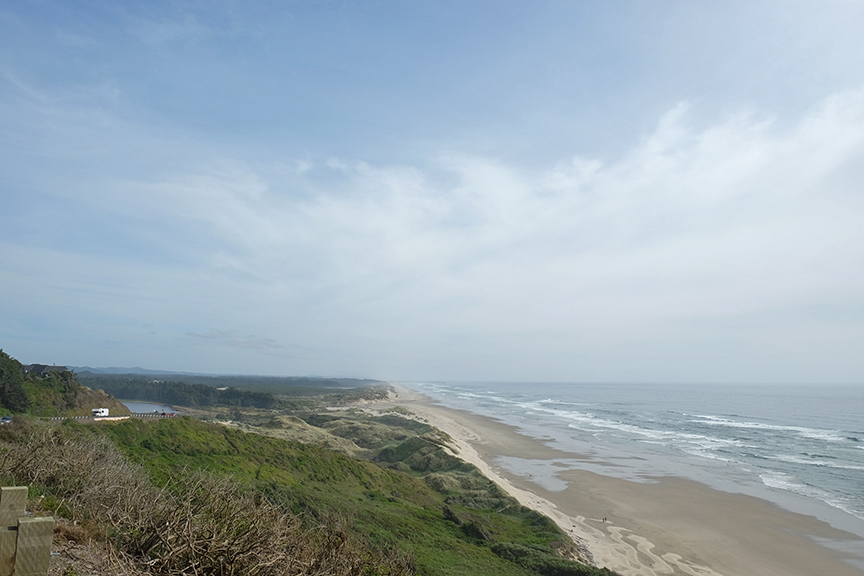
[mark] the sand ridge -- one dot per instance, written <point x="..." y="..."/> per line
<point x="671" y="526"/>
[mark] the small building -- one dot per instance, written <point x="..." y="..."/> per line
<point x="43" y="370"/>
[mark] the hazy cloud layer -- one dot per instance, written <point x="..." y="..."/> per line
<point x="702" y="245"/>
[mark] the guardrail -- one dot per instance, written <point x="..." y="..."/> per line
<point x="109" y="418"/>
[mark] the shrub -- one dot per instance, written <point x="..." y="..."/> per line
<point x="543" y="562"/>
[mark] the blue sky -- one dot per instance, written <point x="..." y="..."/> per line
<point x="568" y="191"/>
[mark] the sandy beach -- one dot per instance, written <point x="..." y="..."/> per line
<point x="666" y="526"/>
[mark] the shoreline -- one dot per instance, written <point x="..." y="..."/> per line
<point x="667" y="526"/>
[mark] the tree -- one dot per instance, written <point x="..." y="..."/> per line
<point x="13" y="397"/>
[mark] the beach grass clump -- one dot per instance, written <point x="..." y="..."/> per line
<point x="540" y="561"/>
<point x="399" y="422"/>
<point x="399" y="410"/>
<point x="369" y="432"/>
<point x="472" y="491"/>
<point x="424" y="454"/>
<point x="367" y="435"/>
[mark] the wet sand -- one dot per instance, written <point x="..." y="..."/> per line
<point x="668" y="525"/>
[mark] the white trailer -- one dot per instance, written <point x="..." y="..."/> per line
<point x="100" y="412"/>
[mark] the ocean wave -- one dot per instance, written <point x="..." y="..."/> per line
<point x="590" y="422"/>
<point x="562" y="402"/>
<point x="783" y="481"/>
<point x="809" y="451"/>
<point x="711" y="456"/>
<point x="667" y="437"/>
<point x="814" y="462"/>
<point x="815" y="433"/>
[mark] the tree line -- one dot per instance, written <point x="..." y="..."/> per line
<point x="178" y="393"/>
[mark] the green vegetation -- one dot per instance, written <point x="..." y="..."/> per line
<point x="448" y="531"/>
<point x="180" y="393"/>
<point x="13" y="397"/>
<point x="57" y="394"/>
<point x="193" y="524"/>
<point x="417" y="498"/>
<point x="234" y="391"/>
<point x="539" y="560"/>
<point x="185" y="495"/>
<point x="289" y="385"/>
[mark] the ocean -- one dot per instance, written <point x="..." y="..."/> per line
<point x="799" y="446"/>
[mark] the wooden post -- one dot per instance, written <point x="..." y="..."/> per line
<point x="13" y="504"/>
<point x="33" y="550"/>
<point x="25" y="543"/>
<point x="8" y="539"/>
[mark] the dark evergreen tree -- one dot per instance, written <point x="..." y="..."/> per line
<point x="13" y="397"/>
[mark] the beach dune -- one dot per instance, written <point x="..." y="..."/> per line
<point x="662" y="526"/>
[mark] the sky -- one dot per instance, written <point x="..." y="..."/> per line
<point x="619" y="191"/>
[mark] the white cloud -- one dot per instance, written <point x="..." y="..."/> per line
<point x="470" y="265"/>
<point x="729" y="220"/>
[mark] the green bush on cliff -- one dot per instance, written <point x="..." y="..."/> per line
<point x="13" y="397"/>
<point x="542" y="562"/>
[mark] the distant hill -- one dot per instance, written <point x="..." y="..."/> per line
<point x="212" y="378"/>
<point x="133" y="370"/>
<point x="48" y="393"/>
<point x="290" y="385"/>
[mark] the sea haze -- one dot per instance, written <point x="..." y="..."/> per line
<point x="800" y="446"/>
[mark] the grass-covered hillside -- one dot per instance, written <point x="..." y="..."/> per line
<point x="173" y="494"/>
<point x="296" y="486"/>
<point x="113" y="519"/>
<point x="55" y="394"/>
